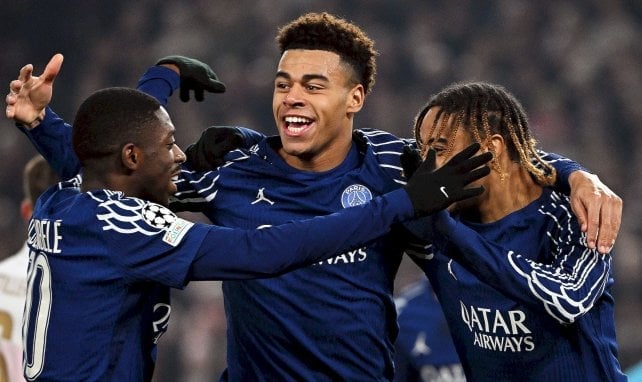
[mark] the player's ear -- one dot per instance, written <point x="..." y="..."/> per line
<point x="497" y="145"/>
<point x="356" y="98"/>
<point x="26" y="209"/>
<point x="130" y="156"/>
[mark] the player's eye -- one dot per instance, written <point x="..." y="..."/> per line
<point x="281" y="85"/>
<point x="313" y="87"/>
<point x="439" y="149"/>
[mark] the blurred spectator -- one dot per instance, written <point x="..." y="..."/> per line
<point x="36" y="178"/>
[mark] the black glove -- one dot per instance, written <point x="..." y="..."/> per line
<point x="207" y="153"/>
<point x="410" y="160"/>
<point x="195" y="75"/>
<point x="433" y="190"/>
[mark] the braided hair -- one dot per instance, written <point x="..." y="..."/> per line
<point x="486" y="109"/>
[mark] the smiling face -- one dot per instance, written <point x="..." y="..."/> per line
<point x="159" y="162"/>
<point x="314" y="104"/>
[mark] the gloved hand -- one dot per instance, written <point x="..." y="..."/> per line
<point x="410" y="160"/>
<point x="433" y="190"/>
<point x="207" y="153"/>
<point x="195" y="75"/>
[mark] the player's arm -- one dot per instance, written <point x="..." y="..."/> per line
<point x="151" y="243"/>
<point x="228" y="253"/>
<point x="596" y="206"/>
<point x="282" y="248"/>
<point x="187" y="74"/>
<point x="52" y="139"/>
<point x="27" y="103"/>
<point x="566" y="288"/>
<point x="224" y="253"/>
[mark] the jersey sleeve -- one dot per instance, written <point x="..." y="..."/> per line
<point x="159" y="82"/>
<point x="52" y="139"/>
<point x="564" y="167"/>
<point x="147" y="241"/>
<point x="250" y="137"/>
<point x="228" y="253"/>
<point x="566" y="288"/>
<point x="189" y="186"/>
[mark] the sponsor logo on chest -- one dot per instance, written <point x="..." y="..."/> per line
<point x="498" y="330"/>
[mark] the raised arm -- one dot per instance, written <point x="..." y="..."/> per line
<point x="27" y="103"/>
<point x="51" y="136"/>
<point x="29" y="95"/>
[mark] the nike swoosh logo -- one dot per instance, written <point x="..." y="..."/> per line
<point x="443" y="191"/>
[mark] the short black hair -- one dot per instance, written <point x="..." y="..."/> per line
<point x="110" y="118"/>
<point x="323" y="31"/>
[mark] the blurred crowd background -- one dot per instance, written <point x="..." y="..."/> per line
<point x="575" y="65"/>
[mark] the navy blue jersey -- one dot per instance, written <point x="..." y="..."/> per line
<point x="101" y="266"/>
<point x="98" y="284"/>
<point x="425" y="348"/>
<point x="332" y="321"/>
<point x="525" y="298"/>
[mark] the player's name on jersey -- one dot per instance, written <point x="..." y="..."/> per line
<point x="44" y="235"/>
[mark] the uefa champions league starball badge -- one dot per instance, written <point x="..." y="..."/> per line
<point x="158" y="216"/>
<point x="355" y="195"/>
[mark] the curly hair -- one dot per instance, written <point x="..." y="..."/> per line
<point x="486" y="109"/>
<point x="323" y="31"/>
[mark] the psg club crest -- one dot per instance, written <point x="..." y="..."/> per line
<point x="355" y="195"/>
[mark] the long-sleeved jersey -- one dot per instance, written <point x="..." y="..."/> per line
<point x="425" y="348"/>
<point x="101" y="266"/>
<point x="525" y="298"/>
<point x="332" y="321"/>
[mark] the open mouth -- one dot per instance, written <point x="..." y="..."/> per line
<point x="295" y="125"/>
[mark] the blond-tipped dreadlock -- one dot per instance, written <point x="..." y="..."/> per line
<point x="487" y="109"/>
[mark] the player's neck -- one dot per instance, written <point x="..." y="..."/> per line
<point x="507" y="193"/>
<point x="96" y="180"/>
<point x="322" y="160"/>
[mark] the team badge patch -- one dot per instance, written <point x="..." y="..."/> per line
<point x="355" y="195"/>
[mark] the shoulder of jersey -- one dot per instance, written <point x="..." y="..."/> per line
<point x="239" y="155"/>
<point x="386" y="148"/>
